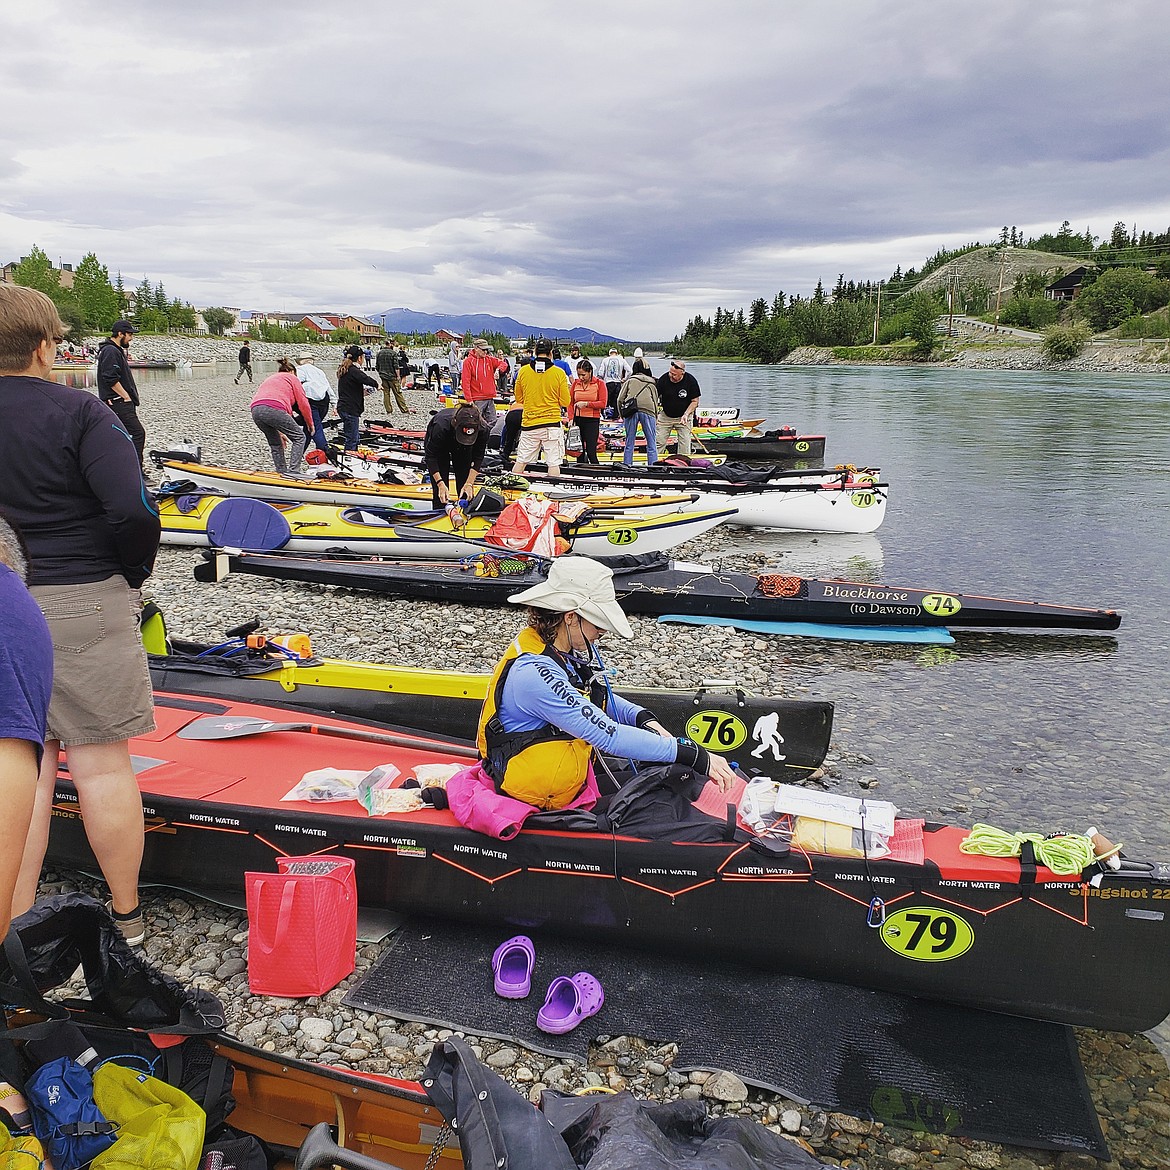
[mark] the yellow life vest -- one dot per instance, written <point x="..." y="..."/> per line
<point x="546" y="767"/>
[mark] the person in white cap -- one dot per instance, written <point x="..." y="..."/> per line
<point x="320" y="394"/>
<point x="549" y="708"/>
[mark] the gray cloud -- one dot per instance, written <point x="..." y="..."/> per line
<point x="620" y="166"/>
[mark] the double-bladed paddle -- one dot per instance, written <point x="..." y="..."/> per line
<point x="235" y="726"/>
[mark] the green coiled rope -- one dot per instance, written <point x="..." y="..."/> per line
<point x="1065" y="855"/>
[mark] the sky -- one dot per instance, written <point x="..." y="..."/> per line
<point x="616" y="165"/>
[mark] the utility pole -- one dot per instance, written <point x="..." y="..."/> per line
<point x="999" y="284"/>
<point x="878" y="315"/>
<point x="951" y="306"/>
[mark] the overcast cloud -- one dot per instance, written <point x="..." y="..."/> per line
<point x="616" y="165"/>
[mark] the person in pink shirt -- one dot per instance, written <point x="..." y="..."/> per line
<point x="272" y="411"/>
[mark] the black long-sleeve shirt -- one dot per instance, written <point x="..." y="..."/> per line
<point x="71" y="482"/>
<point x="113" y="366"/>
<point x="440" y="444"/>
<point x="351" y="391"/>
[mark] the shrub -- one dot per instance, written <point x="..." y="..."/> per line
<point x="1064" y="342"/>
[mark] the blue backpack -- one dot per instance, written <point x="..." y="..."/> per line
<point x="65" y="1117"/>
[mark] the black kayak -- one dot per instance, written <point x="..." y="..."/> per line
<point x="655" y="586"/>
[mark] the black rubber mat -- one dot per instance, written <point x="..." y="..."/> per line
<point x="912" y="1064"/>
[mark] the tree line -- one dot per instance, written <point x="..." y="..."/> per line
<point x="94" y="302"/>
<point x="1128" y="277"/>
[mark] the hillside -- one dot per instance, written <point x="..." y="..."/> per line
<point x="409" y="321"/>
<point x="987" y="265"/>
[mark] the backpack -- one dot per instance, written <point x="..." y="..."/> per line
<point x="66" y="1117"/>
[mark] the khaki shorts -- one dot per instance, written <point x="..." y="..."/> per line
<point x="101" y="682"/>
<point x="549" y="440"/>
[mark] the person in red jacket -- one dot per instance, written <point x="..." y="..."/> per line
<point x="477" y="380"/>
<point x="589" y="400"/>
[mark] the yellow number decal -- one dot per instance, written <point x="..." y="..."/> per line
<point x="622" y="536"/>
<point x="862" y="499"/>
<point x="941" y="604"/>
<point x="801" y="445"/>
<point x="927" y="934"/>
<point x="716" y="730"/>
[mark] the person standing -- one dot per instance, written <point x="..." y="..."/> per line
<point x="454" y="366"/>
<point x="478" y="379"/>
<point x="456" y="440"/>
<point x="386" y="365"/>
<point x="26" y="682"/>
<point x="614" y="371"/>
<point x="245" y="363"/>
<point x="589" y="398"/>
<point x="272" y="411"/>
<point x="352" y="381"/>
<point x="320" y="395"/>
<point x="72" y="485"/>
<point x="678" y="398"/>
<point x="116" y="385"/>
<point x="368" y="354"/>
<point x="641" y="390"/>
<point x="403" y="364"/>
<point x="543" y="393"/>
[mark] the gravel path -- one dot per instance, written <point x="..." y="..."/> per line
<point x="205" y="944"/>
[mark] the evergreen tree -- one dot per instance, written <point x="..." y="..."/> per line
<point x="759" y="313"/>
<point x="97" y="300"/>
<point x="36" y="271"/>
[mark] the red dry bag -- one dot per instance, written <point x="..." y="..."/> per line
<point x="302" y="926"/>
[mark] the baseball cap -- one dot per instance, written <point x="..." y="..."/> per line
<point x="468" y="423"/>
<point x="638" y="352"/>
<point x="543" y="346"/>
<point x="122" y="327"/>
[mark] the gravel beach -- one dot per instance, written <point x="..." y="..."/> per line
<point x="205" y="944"/>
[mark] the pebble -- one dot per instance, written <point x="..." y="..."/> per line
<point x="1127" y="1075"/>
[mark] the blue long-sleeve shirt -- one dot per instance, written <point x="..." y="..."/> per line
<point x="538" y="691"/>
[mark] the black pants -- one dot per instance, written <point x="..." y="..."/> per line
<point x="590" y="432"/>
<point x="613" y="389"/>
<point x="510" y="435"/>
<point x="445" y="463"/>
<point x="127" y="414"/>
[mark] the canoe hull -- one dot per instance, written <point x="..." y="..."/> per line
<point x="1052" y="949"/>
<point x="693" y="591"/>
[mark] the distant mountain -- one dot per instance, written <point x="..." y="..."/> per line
<point x="408" y="321"/>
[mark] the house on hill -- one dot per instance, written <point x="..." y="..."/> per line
<point x="1067" y="287"/>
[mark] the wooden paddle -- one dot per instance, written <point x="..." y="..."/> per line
<point x="233" y="727"/>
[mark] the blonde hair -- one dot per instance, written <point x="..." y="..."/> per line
<point x="27" y="317"/>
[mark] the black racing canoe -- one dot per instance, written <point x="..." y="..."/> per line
<point x="655" y="586"/>
<point x="1004" y="934"/>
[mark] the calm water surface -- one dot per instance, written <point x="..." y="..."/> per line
<point x="1040" y="486"/>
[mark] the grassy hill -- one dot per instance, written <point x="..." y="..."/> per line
<point x="997" y="268"/>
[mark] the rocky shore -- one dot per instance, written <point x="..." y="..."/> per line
<point x="1099" y="357"/>
<point x="206" y="945"/>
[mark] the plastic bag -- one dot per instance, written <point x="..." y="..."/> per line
<point x="324" y="784"/>
<point x="377" y="792"/>
<point x="816" y="836"/>
<point x="435" y="775"/>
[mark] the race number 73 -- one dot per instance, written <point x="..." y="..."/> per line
<point x="927" y="933"/>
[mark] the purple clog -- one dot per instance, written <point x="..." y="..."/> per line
<point x="568" y="1002"/>
<point x="512" y="965"/>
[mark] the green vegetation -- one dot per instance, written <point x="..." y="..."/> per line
<point x="217" y="320"/>
<point x="93" y="304"/>
<point x="1153" y="325"/>
<point x="1062" y="343"/>
<point x="1128" y="275"/>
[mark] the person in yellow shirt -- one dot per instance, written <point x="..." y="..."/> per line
<point x="543" y="392"/>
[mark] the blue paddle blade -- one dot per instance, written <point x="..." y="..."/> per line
<point x="251" y="525"/>
<point x="925" y="635"/>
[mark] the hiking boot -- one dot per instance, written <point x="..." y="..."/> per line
<point x="131" y="925"/>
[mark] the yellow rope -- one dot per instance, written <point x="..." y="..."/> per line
<point x="1064" y="855"/>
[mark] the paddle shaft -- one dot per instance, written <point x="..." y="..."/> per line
<point x="231" y="728"/>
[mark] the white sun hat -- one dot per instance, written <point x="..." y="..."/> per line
<point x="579" y="585"/>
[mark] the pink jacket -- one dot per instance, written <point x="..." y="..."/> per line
<point x="477" y="805"/>
<point x="283" y="391"/>
<point x="477" y="375"/>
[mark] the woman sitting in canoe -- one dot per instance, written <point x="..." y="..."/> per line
<point x="548" y="709"/>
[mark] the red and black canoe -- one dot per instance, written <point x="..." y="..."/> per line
<point x="1093" y="949"/>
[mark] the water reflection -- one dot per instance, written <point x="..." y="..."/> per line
<point x="855" y="556"/>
